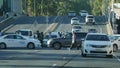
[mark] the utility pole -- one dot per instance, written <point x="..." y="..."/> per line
<point x="25" y="7"/>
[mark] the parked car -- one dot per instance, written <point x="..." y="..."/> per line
<point x="75" y="21"/>
<point x="76" y="28"/>
<point x="115" y="39"/>
<point x="50" y="36"/>
<point x="65" y="41"/>
<point x="90" y="19"/>
<point x="16" y="40"/>
<point x="97" y="43"/>
<point x="71" y="14"/>
<point x="83" y="13"/>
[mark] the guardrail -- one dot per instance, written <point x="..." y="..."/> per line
<point x="3" y="22"/>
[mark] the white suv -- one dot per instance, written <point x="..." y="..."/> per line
<point x="75" y="21"/>
<point x="90" y="19"/>
<point x="83" y="13"/>
<point x="97" y="43"/>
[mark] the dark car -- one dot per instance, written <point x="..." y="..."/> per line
<point x="65" y="40"/>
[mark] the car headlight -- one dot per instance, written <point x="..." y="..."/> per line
<point x="49" y="41"/>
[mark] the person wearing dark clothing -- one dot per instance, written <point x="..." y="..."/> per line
<point x="41" y="38"/>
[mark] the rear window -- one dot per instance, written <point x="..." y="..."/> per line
<point x="77" y="27"/>
<point x="79" y="35"/>
<point x="97" y="38"/>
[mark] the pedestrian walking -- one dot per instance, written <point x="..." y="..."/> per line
<point x="74" y="41"/>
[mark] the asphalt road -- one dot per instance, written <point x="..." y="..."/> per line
<point x="50" y="58"/>
<point x="39" y="23"/>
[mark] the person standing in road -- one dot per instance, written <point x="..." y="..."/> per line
<point x="74" y="43"/>
<point x="41" y="38"/>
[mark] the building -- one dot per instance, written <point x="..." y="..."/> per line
<point x="11" y="6"/>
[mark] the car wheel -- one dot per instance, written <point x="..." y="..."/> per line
<point x="115" y="48"/>
<point x="83" y="55"/>
<point x="109" y="56"/>
<point x="2" y="45"/>
<point x="31" y="46"/>
<point x="93" y="23"/>
<point x="57" y="46"/>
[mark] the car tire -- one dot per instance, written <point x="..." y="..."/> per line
<point x="30" y="46"/>
<point x="57" y="46"/>
<point x="115" y="48"/>
<point x="2" y="46"/>
<point x="93" y="23"/>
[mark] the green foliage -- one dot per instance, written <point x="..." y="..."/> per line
<point x="62" y="7"/>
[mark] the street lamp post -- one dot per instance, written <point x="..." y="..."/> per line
<point x="34" y="8"/>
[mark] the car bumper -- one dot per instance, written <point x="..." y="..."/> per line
<point x="104" y="51"/>
<point x="38" y="45"/>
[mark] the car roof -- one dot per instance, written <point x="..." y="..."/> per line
<point x="97" y="34"/>
<point x="83" y="11"/>
<point x="25" y="30"/>
<point x="74" y="18"/>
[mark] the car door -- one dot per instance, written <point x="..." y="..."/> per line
<point x="20" y="41"/>
<point x="9" y="40"/>
<point x="67" y="40"/>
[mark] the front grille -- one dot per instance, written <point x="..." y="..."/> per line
<point x="100" y="46"/>
<point x="90" y="20"/>
<point x="98" y="51"/>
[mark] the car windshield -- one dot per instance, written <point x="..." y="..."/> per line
<point x="75" y="18"/>
<point x="76" y="27"/>
<point x="90" y="17"/>
<point x="50" y="36"/>
<point x="25" y="33"/>
<point x="97" y="38"/>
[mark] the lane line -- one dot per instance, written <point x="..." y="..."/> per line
<point x="116" y="57"/>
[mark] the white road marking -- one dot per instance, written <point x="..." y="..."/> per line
<point x="116" y="57"/>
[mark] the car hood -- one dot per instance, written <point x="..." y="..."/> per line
<point x="98" y="42"/>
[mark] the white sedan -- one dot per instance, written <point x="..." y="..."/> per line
<point x="97" y="43"/>
<point x="15" y="40"/>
